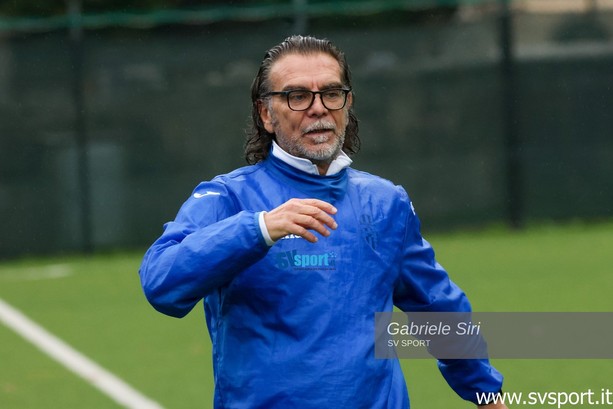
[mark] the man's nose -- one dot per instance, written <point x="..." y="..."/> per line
<point x="317" y="108"/>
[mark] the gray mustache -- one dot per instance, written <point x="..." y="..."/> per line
<point x="320" y="126"/>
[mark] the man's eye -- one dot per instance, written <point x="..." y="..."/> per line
<point x="298" y="96"/>
<point x="333" y="94"/>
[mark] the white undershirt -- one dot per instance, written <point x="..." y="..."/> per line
<point x="339" y="163"/>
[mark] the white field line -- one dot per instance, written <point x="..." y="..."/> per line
<point x="109" y="384"/>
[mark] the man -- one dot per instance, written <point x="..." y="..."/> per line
<point x="294" y="254"/>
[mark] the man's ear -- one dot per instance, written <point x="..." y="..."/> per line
<point x="349" y="100"/>
<point x="265" y="116"/>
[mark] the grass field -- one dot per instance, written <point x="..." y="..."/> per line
<point x="95" y="304"/>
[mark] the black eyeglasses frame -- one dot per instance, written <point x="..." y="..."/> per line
<point x="286" y="94"/>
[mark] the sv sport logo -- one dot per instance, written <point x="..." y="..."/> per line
<point x="302" y="261"/>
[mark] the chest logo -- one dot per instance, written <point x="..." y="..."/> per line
<point x="305" y="261"/>
<point x="368" y="230"/>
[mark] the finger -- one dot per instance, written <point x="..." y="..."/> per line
<point x="295" y="228"/>
<point x="280" y="223"/>
<point x="297" y="216"/>
<point x="321" y="217"/>
<point x="305" y="234"/>
<point x="318" y="209"/>
<point x="312" y="223"/>
<point x="320" y="204"/>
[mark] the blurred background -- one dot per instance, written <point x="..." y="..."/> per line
<point x="486" y="111"/>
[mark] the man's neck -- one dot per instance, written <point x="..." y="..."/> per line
<point x="322" y="167"/>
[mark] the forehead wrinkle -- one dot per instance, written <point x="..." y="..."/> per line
<point x="297" y="71"/>
<point x="334" y="84"/>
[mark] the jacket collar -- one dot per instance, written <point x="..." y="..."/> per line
<point x="329" y="188"/>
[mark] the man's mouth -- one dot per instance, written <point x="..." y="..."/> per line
<point x="319" y="130"/>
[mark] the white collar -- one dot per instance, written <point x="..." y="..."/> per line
<point x="339" y="163"/>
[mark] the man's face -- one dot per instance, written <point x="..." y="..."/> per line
<point x="316" y="134"/>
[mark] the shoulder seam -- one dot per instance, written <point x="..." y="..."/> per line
<point x="245" y="170"/>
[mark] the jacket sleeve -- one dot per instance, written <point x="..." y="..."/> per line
<point x="210" y="241"/>
<point x="424" y="286"/>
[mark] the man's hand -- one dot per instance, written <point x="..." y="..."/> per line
<point x="298" y="216"/>
<point x="493" y="406"/>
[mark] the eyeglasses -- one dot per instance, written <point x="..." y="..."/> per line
<point x="301" y="100"/>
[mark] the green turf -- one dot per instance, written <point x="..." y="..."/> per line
<point x="96" y="305"/>
<point x="550" y="268"/>
<point x="100" y="310"/>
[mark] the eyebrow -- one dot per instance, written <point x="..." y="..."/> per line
<point x="303" y="88"/>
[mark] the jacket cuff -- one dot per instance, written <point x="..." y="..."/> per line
<point x="264" y="231"/>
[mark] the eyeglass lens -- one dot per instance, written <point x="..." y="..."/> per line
<point x="332" y="99"/>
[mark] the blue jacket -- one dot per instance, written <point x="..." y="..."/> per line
<point x="292" y="325"/>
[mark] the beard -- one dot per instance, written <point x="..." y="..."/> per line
<point x="326" y="148"/>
